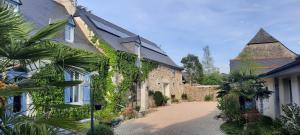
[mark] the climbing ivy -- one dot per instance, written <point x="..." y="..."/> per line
<point x="44" y="100"/>
<point x="147" y="67"/>
<point x="122" y="63"/>
<point x="111" y="95"/>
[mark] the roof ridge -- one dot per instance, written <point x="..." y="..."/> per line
<point x="262" y="37"/>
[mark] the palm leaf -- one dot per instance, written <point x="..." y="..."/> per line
<point x="47" y="32"/>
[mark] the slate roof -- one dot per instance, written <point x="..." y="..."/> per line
<point x="115" y="35"/>
<point x="262" y="37"/>
<point x="40" y="12"/>
<point x="264" y="65"/>
<point x="282" y="68"/>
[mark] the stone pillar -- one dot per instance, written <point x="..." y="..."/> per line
<point x="295" y="89"/>
<point x="144" y="96"/>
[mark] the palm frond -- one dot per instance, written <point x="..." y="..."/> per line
<point x="46" y="33"/>
<point x="12" y="25"/>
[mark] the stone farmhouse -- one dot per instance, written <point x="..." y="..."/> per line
<point x="82" y="25"/>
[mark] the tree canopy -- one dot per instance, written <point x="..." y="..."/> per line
<point x="193" y="68"/>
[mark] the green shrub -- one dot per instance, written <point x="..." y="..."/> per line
<point x="291" y="118"/>
<point x="159" y="99"/>
<point x="232" y="128"/>
<point x="209" y="97"/>
<point x="230" y="106"/>
<point x="105" y="115"/>
<point x="184" y="96"/>
<point x="101" y="129"/>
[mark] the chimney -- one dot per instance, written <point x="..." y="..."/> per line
<point x="70" y="5"/>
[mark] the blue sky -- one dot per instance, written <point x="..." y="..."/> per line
<point x="186" y="26"/>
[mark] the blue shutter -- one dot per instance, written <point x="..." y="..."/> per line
<point x="86" y="89"/>
<point x="23" y="102"/>
<point x="68" y="77"/>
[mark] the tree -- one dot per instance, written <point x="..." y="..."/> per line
<point x="193" y="68"/>
<point x="247" y="65"/>
<point x="208" y="62"/>
<point x="20" y="49"/>
<point x="248" y="87"/>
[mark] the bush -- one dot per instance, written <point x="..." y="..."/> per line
<point x="105" y="115"/>
<point x="159" y="99"/>
<point x="230" y="106"/>
<point x="263" y="126"/>
<point x="291" y="118"/>
<point x="101" y="129"/>
<point x="209" y="97"/>
<point x="184" y="96"/>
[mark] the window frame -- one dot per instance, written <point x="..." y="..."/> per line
<point x="69" y="33"/>
<point x="77" y="89"/>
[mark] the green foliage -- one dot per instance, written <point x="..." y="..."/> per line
<point x="247" y="65"/>
<point x="264" y="126"/>
<point x="159" y="99"/>
<point x="232" y="128"/>
<point x="209" y="97"/>
<point x="193" y="68"/>
<point x="147" y="67"/>
<point x="123" y="65"/>
<point x="12" y="25"/>
<point x="212" y="79"/>
<point x="44" y="101"/>
<point x="247" y="87"/>
<point x="291" y="118"/>
<point x="101" y="129"/>
<point x="230" y="106"/>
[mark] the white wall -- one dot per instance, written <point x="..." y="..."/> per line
<point x="269" y="104"/>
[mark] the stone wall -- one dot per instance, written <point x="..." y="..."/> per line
<point x="198" y="92"/>
<point x="163" y="78"/>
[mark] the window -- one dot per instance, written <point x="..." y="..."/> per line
<point x="17" y="103"/>
<point x="75" y="91"/>
<point x="69" y="33"/>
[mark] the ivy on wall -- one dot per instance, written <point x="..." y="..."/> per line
<point x="113" y="96"/>
<point x="124" y="64"/>
<point x="44" y="100"/>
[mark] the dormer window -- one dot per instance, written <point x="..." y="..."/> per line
<point x="69" y="30"/>
<point x="15" y="4"/>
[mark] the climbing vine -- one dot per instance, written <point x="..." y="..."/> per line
<point x="44" y="100"/>
<point x="147" y="67"/>
<point x="117" y="65"/>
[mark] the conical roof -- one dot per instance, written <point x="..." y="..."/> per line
<point x="262" y="37"/>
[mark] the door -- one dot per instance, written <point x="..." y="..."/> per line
<point x="167" y="91"/>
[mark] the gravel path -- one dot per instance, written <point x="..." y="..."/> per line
<point x="188" y="118"/>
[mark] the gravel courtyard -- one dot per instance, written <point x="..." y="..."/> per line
<point x="187" y="118"/>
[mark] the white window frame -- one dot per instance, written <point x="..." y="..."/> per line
<point x="73" y="90"/>
<point x="69" y="33"/>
